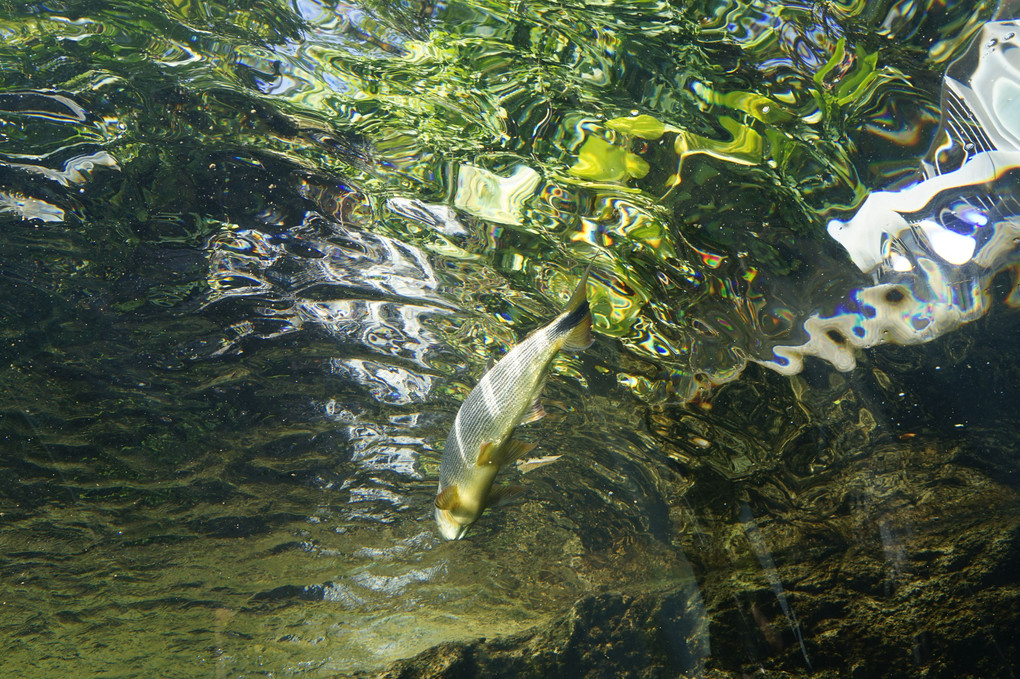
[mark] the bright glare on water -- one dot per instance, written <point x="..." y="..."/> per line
<point x="254" y="255"/>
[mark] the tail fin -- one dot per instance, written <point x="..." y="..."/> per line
<point x="575" y="321"/>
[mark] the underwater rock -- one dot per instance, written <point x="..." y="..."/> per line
<point x="607" y="635"/>
<point x="921" y="586"/>
<point x="909" y="575"/>
<point x="859" y="548"/>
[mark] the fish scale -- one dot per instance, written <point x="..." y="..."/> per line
<point x="498" y="403"/>
<point x="518" y="376"/>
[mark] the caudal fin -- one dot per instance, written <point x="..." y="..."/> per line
<point x="575" y="322"/>
<point x="580" y="294"/>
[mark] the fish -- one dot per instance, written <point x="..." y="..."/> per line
<point x="525" y="466"/>
<point x="481" y="442"/>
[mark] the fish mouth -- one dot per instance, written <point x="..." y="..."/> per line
<point x="449" y="527"/>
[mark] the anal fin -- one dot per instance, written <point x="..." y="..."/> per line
<point x="448" y="498"/>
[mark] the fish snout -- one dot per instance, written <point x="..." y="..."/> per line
<point x="449" y="527"/>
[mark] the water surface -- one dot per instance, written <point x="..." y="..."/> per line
<point x="253" y="256"/>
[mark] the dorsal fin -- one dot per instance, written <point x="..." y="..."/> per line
<point x="514" y="450"/>
<point x="503" y="494"/>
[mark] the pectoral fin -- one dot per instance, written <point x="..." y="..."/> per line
<point x="448" y="498"/>
<point x="503" y="495"/>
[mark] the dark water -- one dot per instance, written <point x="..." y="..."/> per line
<point x="254" y="254"/>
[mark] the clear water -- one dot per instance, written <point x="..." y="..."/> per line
<point x="253" y="255"/>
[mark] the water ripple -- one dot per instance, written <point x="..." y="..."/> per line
<point x="255" y="256"/>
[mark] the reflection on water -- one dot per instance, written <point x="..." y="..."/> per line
<point x="254" y="257"/>
<point x="936" y="245"/>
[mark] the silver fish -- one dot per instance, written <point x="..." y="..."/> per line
<point x="480" y="442"/>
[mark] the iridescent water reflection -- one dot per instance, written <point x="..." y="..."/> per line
<point x="255" y="256"/>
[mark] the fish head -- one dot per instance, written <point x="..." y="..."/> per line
<point x="451" y="527"/>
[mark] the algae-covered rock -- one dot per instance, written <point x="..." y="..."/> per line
<point x="857" y="537"/>
<point x="910" y="576"/>
<point x="609" y="635"/>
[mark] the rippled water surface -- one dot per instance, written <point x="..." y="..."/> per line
<point x="254" y="254"/>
